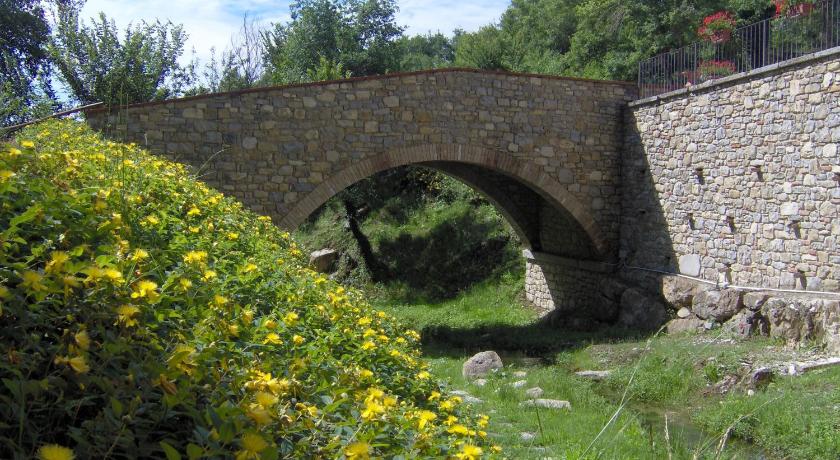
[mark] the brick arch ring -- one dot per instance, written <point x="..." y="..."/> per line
<point x="524" y="172"/>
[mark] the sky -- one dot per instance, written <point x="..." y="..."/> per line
<point x="211" y="23"/>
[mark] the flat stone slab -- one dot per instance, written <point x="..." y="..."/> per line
<point x="548" y="403"/>
<point x="520" y="374"/>
<point x="534" y="393"/>
<point x="593" y="375"/>
<point x="519" y="383"/>
<point x="690" y="264"/>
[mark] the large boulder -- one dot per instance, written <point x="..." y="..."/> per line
<point x="679" y="325"/>
<point x="717" y="305"/>
<point x="481" y="364"/>
<point x="323" y="260"/>
<point x="747" y="323"/>
<point x="640" y="311"/>
<point x="678" y="292"/>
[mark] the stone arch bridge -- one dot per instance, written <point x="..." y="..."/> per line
<point x="545" y="150"/>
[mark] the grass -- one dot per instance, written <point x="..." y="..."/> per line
<point x="796" y="417"/>
<point x="661" y="400"/>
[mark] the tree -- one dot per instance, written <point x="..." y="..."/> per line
<point x="97" y="65"/>
<point x="425" y="52"/>
<point x="24" y="62"/>
<point x="485" y="49"/>
<point x="239" y="66"/>
<point x="357" y="35"/>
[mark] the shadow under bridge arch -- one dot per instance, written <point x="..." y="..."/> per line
<point x="545" y="216"/>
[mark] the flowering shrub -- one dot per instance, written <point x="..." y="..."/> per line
<point x="144" y="315"/>
<point x="716" y="69"/>
<point x="717" y="27"/>
<point x="793" y="8"/>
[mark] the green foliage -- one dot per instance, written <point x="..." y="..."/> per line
<point x="144" y="315"/>
<point x="97" y="65"/>
<point x="429" y="51"/>
<point x="24" y="65"/>
<point x="487" y="49"/>
<point x="359" y="36"/>
<point x="796" y="417"/>
<point x="435" y="235"/>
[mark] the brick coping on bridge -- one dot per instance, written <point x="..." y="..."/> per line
<point x="359" y="79"/>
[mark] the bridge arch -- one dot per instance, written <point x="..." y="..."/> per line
<point x="490" y="173"/>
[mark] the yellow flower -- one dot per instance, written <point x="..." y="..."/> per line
<point x="185" y="284"/>
<point x="126" y="315"/>
<point x="358" y="451"/>
<point x="78" y="364"/>
<point x="13" y="152"/>
<point x="291" y="318"/>
<point x="139" y="255"/>
<point x="252" y="445"/>
<point x="193" y="229"/>
<point x="459" y="430"/>
<point x="248" y="268"/>
<point x="193" y="212"/>
<point x="298" y="340"/>
<point x="304" y="409"/>
<point x="434" y="395"/>
<point x="113" y="275"/>
<point x="145" y="289"/>
<point x="469" y="452"/>
<point x="424" y="417"/>
<point x="482" y="421"/>
<point x="368" y="333"/>
<point x="208" y="275"/>
<point x="82" y="339"/>
<point x="495" y="449"/>
<point x="372" y="410"/>
<point x="273" y="339"/>
<point x="423" y="375"/>
<point x="247" y="316"/>
<point x="365" y="374"/>
<point x="266" y="399"/>
<point x="270" y="324"/>
<point x="4" y="292"/>
<point x="27" y="144"/>
<point x="57" y="261"/>
<point x="32" y="281"/>
<point x="55" y="452"/>
<point x="259" y="414"/>
<point x="368" y="345"/>
<point x="5" y="175"/>
<point x="220" y="301"/>
<point x="364" y="321"/>
<point x="232" y="236"/>
<point x="233" y="330"/>
<point x="152" y="220"/>
<point x="195" y="257"/>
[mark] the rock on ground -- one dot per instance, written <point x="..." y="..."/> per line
<point x="593" y="375"/>
<point x="481" y="364"/>
<point x="534" y="393"/>
<point x="677" y="325"/>
<point x="322" y="260"/>
<point x="717" y="305"/>
<point x="548" y="403"/>
<point x="527" y="436"/>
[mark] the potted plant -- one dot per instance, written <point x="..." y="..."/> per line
<point x="718" y="27"/>
<point x="711" y="69"/>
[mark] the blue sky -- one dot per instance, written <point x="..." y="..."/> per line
<point x="210" y="23"/>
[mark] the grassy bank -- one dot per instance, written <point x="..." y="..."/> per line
<point x="143" y="314"/>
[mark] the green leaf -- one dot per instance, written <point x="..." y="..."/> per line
<point x="171" y="453"/>
<point x="194" y="451"/>
<point x="117" y="407"/>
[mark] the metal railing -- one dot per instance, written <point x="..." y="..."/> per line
<point x="801" y="29"/>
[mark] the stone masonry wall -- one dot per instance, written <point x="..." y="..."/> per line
<point x="285" y="150"/>
<point x="739" y="181"/>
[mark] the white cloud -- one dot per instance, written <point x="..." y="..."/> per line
<point x="211" y="23"/>
<point x="422" y="16"/>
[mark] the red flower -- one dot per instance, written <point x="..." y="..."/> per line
<point x="715" y="24"/>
